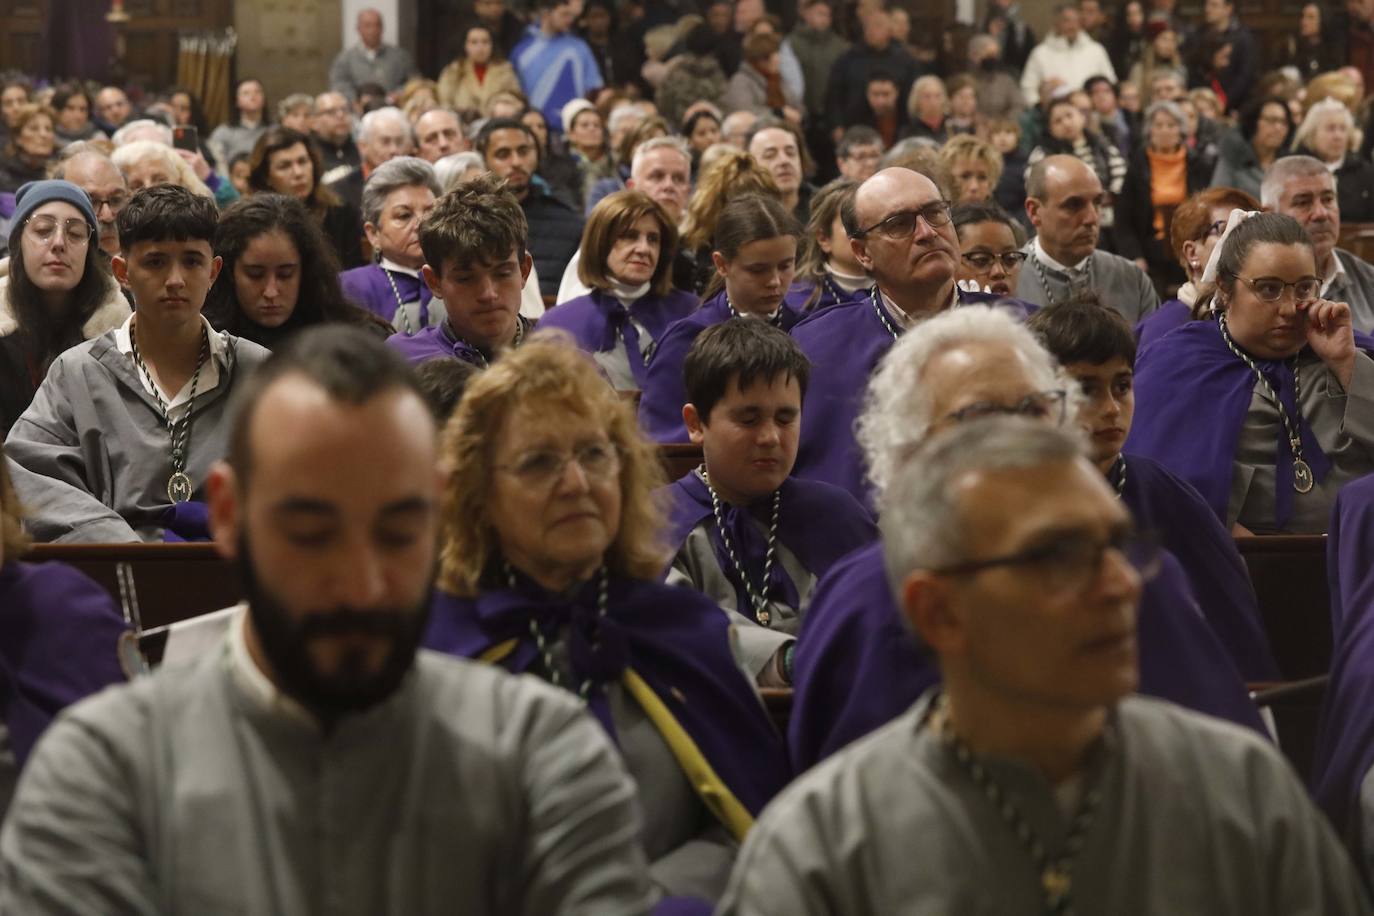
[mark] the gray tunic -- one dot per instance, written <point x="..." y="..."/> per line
<point x="1197" y="816"/>
<point x="1344" y="426"/>
<point x="389" y="68"/>
<point x="91" y="456"/>
<point x="1119" y="283"/>
<point x="189" y="792"/>
<point x="1356" y="287"/>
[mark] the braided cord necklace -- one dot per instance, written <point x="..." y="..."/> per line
<point x="1119" y="471"/>
<point x="400" y="306"/>
<point x="1303" y="480"/>
<point x="1045" y="282"/>
<point x="1056" y="874"/>
<point x="544" y="642"/>
<point x="774" y="319"/>
<point x="179" y="486"/>
<point x="882" y="315"/>
<point x="758" y="599"/>
<point x="519" y="338"/>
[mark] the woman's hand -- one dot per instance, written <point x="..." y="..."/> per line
<point x="1331" y="335"/>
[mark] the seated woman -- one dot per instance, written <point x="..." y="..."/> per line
<point x="627" y="261"/>
<point x="731" y="175"/>
<point x="32" y="143"/>
<point x="279" y="274"/>
<point x="250" y="121"/>
<point x="398" y="194"/>
<point x="1266" y="404"/>
<point x="471" y="80"/>
<point x="287" y="162"/>
<point x="1068" y="134"/>
<point x="551" y="556"/>
<point x="59" y="291"/>
<point x="145" y="163"/>
<point x="72" y="105"/>
<point x="755" y="258"/>
<point x="1328" y="133"/>
<point x="1246" y="153"/>
<point x="1197" y="226"/>
<point x="827" y="271"/>
<point x="990" y="248"/>
<point x="974" y="167"/>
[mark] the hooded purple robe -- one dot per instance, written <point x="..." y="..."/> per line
<point x="1172" y="314"/>
<point x="597" y="320"/>
<point x="60" y="639"/>
<point x="660" y="406"/>
<point x="1349" y="550"/>
<point x="858" y="666"/>
<point x="368" y="287"/>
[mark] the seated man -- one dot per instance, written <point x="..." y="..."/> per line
<point x="856" y="667"/>
<point x="476" y="262"/>
<point x="1096" y="347"/>
<point x="315" y="760"/>
<point x="1031" y="781"/>
<point x="122" y="432"/>
<point x="747" y="534"/>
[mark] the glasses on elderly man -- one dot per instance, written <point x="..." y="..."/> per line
<point x="1042" y="405"/>
<point x="902" y="225"/>
<point x="1071" y="562"/>
<point x="1271" y="289"/>
<point x="44" y="227"/>
<point x="545" y="467"/>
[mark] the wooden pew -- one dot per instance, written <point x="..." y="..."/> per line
<point x="1358" y="239"/>
<point x="679" y="459"/>
<point x="1289" y="575"/>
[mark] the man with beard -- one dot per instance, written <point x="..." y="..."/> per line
<point x="1304" y="188"/>
<point x="316" y="761"/>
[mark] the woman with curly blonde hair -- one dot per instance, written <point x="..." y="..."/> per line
<point x="734" y="174"/>
<point x="552" y="551"/>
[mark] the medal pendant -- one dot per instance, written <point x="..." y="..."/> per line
<point x="179" y="487"/>
<point x="764" y="617"/>
<point x="1055" y="884"/>
<point x="1302" y="476"/>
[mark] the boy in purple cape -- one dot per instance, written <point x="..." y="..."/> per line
<point x="477" y="262"/>
<point x="755" y="258"/>
<point x="857" y="665"/>
<point x="899" y="225"/>
<point x="747" y="534"/>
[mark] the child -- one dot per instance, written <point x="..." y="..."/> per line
<point x="747" y="534"/>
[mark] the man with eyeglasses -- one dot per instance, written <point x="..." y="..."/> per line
<point x="859" y="152"/>
<point x="1304" y="188"/>
<point x="1031" y="780"/>
<point x="899" y="227"/>
<point x="1064" y="199"/>
<point x="331" y="124"/>
<point x="93" y="172"/>
<point x="856" y="667"/>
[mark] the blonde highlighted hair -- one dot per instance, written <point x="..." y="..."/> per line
<point x="734" y="174"/>
<point x="548" y="372"/>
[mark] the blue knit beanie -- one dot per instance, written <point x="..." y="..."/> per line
<point x="35" y="194"/>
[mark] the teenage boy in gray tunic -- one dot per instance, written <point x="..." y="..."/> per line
<point x="119" y="439"/>
<point x="315" y="762"/>
<point x="1032" y="782"/>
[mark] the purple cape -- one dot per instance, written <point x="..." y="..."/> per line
<point x="1166" y="505"/>
<point x="800" y="294"/>
<point x="1161" y="321"/>
<point x="595" y="320"/>
<point x="368" y="287"/>
<point x="1349" y="548"/>
<point x="674" y="638"/>
<point x="858" y="666"/>
<point x="660" y="406"/>
<point x="845" y="343"/>
<point x="439" y="341"/>
<point x="59" y="642"/>
<point x="817" y="522"/>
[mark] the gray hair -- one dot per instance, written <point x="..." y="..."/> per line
<point x="378" y="115"/>
<point x="622" y="115"/>
<point x="653" y="143"/>
<point x="76" y="150"/>
<point x="1318" y="113"/>
<point x="392" y="175"/>
<point x="1173" y="110"/>
<point x="897" y="413"/>
<point x="449" y="170"/>
<point x="1285" y="170"/>
<point x="122" y="136"/>
<point x="292" y="102"/>
<point x="922" y="524"/>
<point x="128" y="155"/>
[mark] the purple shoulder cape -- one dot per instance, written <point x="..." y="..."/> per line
<point x="801" y="292"/>
<point x="59" y="641"/>
<point x="674" y="638"/>
<point x="595" y="320"/>
<point x="1349" y="549"/>
<point x="817" y="522"/>
<point x="1161" y="321"/>
<point x="1168" y="506"/>
<point x="664" y="392"/>
<point x="1191" y="397"/>
<point x="368" y="287"/>
<point x="858" y="667"/>
<point x="435" y="342"/>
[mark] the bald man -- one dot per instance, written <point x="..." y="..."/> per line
<point x="93" y="172"/>
<point x="1063" y="200"/>
<point x="371" y="60"/>
<point x="899" y="227"/>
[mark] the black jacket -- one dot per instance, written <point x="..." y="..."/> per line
<point x="846" y="92"/>
<point x="555" y="234"/>
<point x="1354" y="187"/>
<point x="1135" y="213"/>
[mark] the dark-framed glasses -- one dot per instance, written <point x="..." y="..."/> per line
<point x="44" y="227"/>
<point x="1042" y="405"/>
<point x="1216" y="229"/>
<point x="903" y="225"/>
<point x="1071" y="563"/>
<point x="544" y="467"/>
<point x="1271" y="289"/>
<point x="983" y="260"/>
<point x="115" y="201"/>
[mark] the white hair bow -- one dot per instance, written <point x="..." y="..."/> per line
<point x="1209" y="273"/>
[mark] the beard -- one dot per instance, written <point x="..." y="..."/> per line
<point x="286" y="639"/>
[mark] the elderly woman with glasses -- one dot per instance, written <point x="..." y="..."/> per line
<point x="59" y="291"/>
<point x="1265" y="404"/>
<point x="553" y="546"/>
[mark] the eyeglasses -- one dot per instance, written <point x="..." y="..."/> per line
<point x="1271" y="289"/>
<point x="115" y="202"/>
<point x="544" y="467"/>
<point x="983" y="260"/>
<point x="1043" y="405"/>
<point x="1073" y="562"/>
<point x="76" y="231"/>
<point x="1216" y="229"/>
<point x="900" y="226"/>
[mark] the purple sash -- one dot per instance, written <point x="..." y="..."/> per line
<point x="598" y="320"/>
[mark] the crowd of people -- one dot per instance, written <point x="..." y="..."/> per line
<point x="991" y="347"/>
